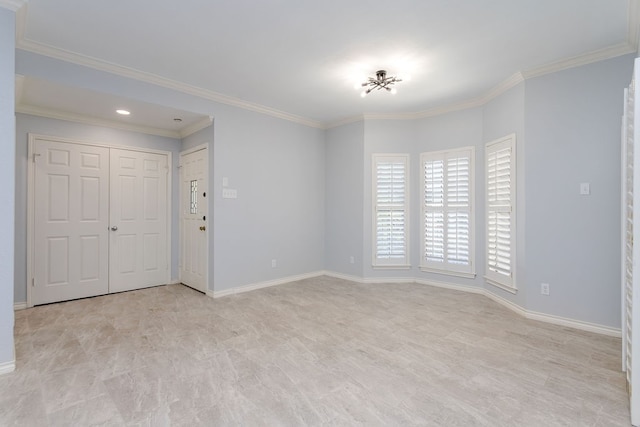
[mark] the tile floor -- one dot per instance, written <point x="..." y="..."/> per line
<point x="321" y="351"/>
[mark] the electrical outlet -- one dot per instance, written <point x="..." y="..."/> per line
<point x="544" y="288"/>
<point x="274" y="263"/>
<point x="229" y="193"/>
<point x="352" y="259"/>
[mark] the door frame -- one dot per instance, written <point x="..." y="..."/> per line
<point x="203" y="146"/>
<point x="31" y="171"/>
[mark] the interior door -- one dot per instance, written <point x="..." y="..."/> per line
<point x="138" y="220"/>
<point x="193" y="219"/>
<point x="70" y="237"/>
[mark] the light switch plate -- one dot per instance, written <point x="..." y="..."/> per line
<point x="585" y="189"/>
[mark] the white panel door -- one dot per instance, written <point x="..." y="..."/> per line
<point x="193" y="219"/>
<point x="71" y="213"/>
<point x="138" y="220"/>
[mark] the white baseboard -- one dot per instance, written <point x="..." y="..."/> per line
<point x="260" y="285"/>
<point x="341" y="276"/>
<point x="7" y="367"/>
<point x="533" y="315"/>
<point x="556" y="320"/>
<point x="453" y="286"/>
<point x="19" y="306"/>
<point x="371" y="280"/>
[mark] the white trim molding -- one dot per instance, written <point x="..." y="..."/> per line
<point x="203" y="123"/>
<point x="93" y="121"/>
<point x="8" y="367"/>
<point x="528" y="314"/>
<point x="533" y="315"/>
<point x="629" y="46"/>
<point x="556" y="320"/>
<point x="260" y="285"/>
<point x="579" y="60"/>
<point x="13" y="5"/>
<point x="109" y="67"/>
<point x="17" y="306"/>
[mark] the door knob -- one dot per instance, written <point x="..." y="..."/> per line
<point x="114" y="228"/>
<point x="202" y="228"/>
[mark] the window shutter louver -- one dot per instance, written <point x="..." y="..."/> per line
<point x="391" y="208"/>
<point x="447" y="203"/>
<point x="500" y="182"/>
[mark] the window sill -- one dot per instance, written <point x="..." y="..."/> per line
<point x="391" y="267"/>
<point x="448" y="273"/>
<point x="511" y="289"/>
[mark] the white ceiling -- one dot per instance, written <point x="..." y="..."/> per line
<point x="44" y="98"/>
<point x="302" y="58"/>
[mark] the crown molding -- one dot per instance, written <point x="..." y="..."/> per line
<point x="345" y="121"/>
<point x="97" y="64"/>
<point x="78" y="118"/>
<point x="13" y="5"/>
<point x="580" y="60"/>
<point x="504" y="86"/>
<point x="195" y="127"/>
<point x="632" y="45"/>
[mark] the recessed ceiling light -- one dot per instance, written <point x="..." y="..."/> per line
<point x="123" y="112"/>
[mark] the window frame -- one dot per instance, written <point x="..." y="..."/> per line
<point x="507" y="283"/>
<point x="446" y="267"/>
<point x="390" y="263"/>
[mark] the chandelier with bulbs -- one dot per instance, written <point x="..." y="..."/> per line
<point x="381" y="81"/>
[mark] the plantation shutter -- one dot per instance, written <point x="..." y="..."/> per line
<point x="447" y="211"/>
<point x="500" y="203"/>
<point x="391" y="210"/>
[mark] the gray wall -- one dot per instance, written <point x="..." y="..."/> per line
<point x="304" y="194"/>
<point x="567" y="127"/>
<point x="7" y="189"/>
<point x="344" y="199"/>
<point x="81" y="132"/>
<point x="278" y="169"/>
<point x="573" y="241"/>
<point x="277" y="166"/>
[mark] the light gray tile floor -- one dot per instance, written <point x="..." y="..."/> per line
<point x="321" y="351"/>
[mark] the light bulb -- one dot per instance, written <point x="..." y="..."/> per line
<point x="123" y="112"/>
<point x="357" y="85"/>
<point x="363" y="94"/>
<point x="393" y="91"/>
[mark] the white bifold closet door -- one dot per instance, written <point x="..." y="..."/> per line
<point x="100" y="221"/>
<point x="71" y="219"/>
<point x="138" y="224"/>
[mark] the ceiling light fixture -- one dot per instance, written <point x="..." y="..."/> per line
<point x="123" y="112"/>
<point x="381" y="81"/>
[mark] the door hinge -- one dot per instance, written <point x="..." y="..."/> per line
<point x="34" y="155"/>
<point x="33" y="282"/>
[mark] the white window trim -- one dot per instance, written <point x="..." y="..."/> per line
<point x="391" y="264"/>
<point x="508" y="284"/>
<point x="450" y="269"/>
